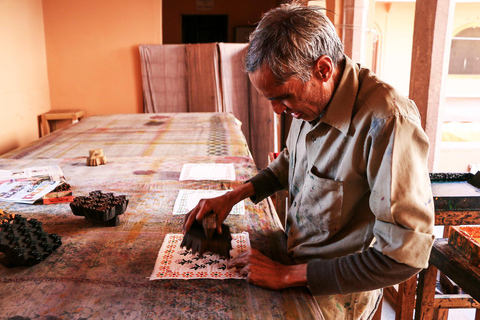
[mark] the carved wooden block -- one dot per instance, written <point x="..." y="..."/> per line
<point x="96" y="157"/>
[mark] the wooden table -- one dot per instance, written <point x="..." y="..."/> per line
<point x="457" y="202"/>
<point x="103" y="272"/>
<point x="453" y="264"/>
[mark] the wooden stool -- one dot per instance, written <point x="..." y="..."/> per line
<point x="49" y="119"/>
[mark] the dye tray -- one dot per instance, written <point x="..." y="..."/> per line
<point x="466" y="239"/>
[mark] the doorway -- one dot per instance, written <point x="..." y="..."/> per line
<point x="204" y="28"/>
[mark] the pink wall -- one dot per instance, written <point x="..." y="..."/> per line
<point x="24" y="92"/>
<point x="92" y="52"/>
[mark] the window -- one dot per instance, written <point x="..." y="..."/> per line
<point x="465" y="52"/>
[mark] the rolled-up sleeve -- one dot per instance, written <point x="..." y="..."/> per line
<point x="401" y="197"/>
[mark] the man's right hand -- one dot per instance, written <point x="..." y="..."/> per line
<point x="221" y="206"/>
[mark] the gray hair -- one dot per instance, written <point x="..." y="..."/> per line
<point x="289" y="39"/>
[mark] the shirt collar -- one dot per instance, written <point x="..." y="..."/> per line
<point x="338" y="113"/>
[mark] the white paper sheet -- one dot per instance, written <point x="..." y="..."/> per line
<point x="188" y="199"/>
<point x="208" y="171"/>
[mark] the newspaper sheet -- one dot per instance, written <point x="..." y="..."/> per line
<point x="29" y="184"/>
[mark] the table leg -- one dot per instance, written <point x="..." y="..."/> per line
<point x="426" y="293"/>
<point x="406" y="299"/>
<point x="44" y="126"/>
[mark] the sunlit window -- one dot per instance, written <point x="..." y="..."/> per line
<point x="465" y="52"/>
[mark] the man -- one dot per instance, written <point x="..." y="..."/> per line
<point x="361" y="210"/>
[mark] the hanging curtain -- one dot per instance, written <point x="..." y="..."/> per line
<point x="204" y="88"/>
<point x="235" y="83"/>
<point x="164" y="78"/>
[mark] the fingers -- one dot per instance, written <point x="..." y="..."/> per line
<point x="238" y="262"/>
<point x="196" y="213"/>
<point x="219" y="224"/>
<point x="245" y="271"/>
<point x="187" y="223"/>
<point x="259" y="270"/>
<point x="217" y="205"/>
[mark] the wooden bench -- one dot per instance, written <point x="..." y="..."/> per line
<point x="49" y="120"/>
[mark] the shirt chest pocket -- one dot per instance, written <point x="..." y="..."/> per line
<point x="321" y="203"/>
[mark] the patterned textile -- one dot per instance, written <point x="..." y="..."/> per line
<point x="140" y="135"/>
<point x="103" y="272"/>
<point x="174" y="262"/>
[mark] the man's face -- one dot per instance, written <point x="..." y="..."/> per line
<point x="304" y="101"/>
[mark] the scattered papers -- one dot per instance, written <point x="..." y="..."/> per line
<point x="210" y="171"/>
<point x="188" y="199"/>
<point x="174" y="262"/>
<point x="30" y="184"/>
<point x="52" y="173"/>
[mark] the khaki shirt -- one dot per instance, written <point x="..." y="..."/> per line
<point x="358" y="175"/>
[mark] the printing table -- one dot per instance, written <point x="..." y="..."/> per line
<point x="457" y="202"/>
<point x="102" y="272"/>
<point x="453" y="264"/>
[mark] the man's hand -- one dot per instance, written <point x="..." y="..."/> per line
<point x="264" y="272"/>
<point x="221" y="206"/>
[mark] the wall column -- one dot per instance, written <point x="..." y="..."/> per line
<point x="355" y="28"/>
<point x="430" y="56"/>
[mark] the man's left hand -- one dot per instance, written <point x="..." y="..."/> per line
<point x="264" y="272"/>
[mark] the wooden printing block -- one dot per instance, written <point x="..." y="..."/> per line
<point x="196" y="240"/>
<point x="96" y="157"/>
<point x="24" y="243"/>
<point x="99" y="207"/>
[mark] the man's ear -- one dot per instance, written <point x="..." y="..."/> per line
<point x="323" y="68"/>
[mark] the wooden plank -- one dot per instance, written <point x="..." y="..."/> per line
<point x="44" y="126"/>
<point x="406" y="299"/>
<point x="378" y="313"/>
<point x="456" y="217"/>
<point x="440" y="314"/>
<point x="66" y="114"/>
<point x="391" y="294"/>
<point x="455" y="301"/>
<point x="426" y="294"/>
<point x="456" y="267"/>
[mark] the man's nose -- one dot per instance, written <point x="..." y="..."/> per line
<point x="278" y="107"/>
